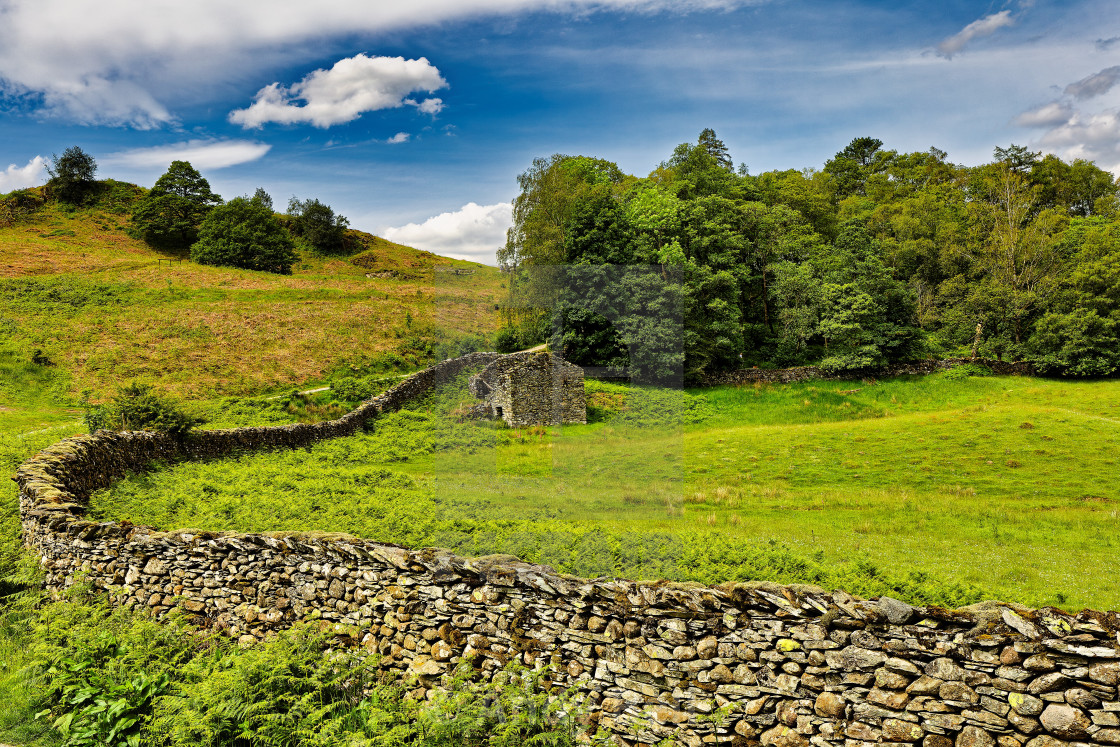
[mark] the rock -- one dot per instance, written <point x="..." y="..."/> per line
<point x="707" y="647"/>
<point x="1107" y="736"/>
<point x="936" y="740"/>
<point x="1009" y="656"/>
<point x="1065" y="722"/>
<point x="1024" y="724"/>
<point x="612" y="705"/>
<point x="664" y="715"/>
<point x="861" y="731"/>
<point x="887" y="679"/>
<point x="1048" y="683"/>
<point x="974" y="736"/>
<point x="896" y="612"/>
<point x="958" y="692"/>
<point x="925" y="685"/>
<point x="895" y="730"/>
<point x="945" y="669"/>
<point x="1082" y="699"/>
<point x="721" y="674"/>
<point x="829" y="705"/>
<point x="1040" y="663"/>
<point x="1045" y="741"/>
<point x="783" y="736"/>
<point x="892" y="699"/>
<point x="1107" y="673"/>
<point x="787" y="712"/>
<point x="1025" y="705"/>
<point x="1023" y="626"/>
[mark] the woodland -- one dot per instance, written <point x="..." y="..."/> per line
<point x="877" y="257"/>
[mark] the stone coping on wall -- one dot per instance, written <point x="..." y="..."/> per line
<point x="790" y="666"/>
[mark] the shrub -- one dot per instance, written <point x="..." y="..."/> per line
<point x="243" y="233"/>
<point x="966" y="370"/>
<point x="138" y="407"/>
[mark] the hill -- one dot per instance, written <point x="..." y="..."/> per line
<point x="106" y="308"/>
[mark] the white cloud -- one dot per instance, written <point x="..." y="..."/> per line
<point x="1047" y="115"/>
<point x="202" y="154"/>
<point x="1096" y="84"/>
<point x="1094" y="137"/>
<point x="985" y="26"/>
<point x="354" y="85"/>
<point x="473" y="232"/>
<point x="400" y="137"/>
<point x="124" y="62"/>
<point x="19" y="177"/>
<point x="428" y="106"/>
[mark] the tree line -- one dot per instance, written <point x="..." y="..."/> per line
<point x="180" y="213"/>
<point x="877" y="257"/>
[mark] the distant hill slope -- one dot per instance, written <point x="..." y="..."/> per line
<point x="108" y="308"/>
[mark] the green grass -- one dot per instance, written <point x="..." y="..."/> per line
<point x="931" y="488"/>
<point x="102" y="305"/>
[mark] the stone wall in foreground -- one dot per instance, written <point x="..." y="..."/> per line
<point x="786" y="666"/>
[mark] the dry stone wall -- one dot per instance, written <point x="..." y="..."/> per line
<point x="738" y="664"/>
<point x="807" y="373"/>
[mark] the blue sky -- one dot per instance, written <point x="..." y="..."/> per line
<point x="414" y="119"/>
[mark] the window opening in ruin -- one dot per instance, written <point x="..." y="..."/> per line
<point x="499" y="411"/>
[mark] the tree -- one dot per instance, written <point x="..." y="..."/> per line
<point x="263" y="198"/>
<point x="243" y="233"/>
<point x="170" y="214"/>
<point x="72" y="175"/>
<point x="715" y="148"/>
<point x="318" y="223"/>
<point x="1018" y="158"/>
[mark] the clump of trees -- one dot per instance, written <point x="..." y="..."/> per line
<point x="244" y="232"/>
<point x="878" y="257"/>
<point x="318" y="225"/>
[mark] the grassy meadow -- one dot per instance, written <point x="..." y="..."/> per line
<point x="935" y="489"/>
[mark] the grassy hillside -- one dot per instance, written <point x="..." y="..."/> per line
<point x="106" y="309"/>
<point x="931" y="489"/>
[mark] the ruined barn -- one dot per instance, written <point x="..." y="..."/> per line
<point x="531" y="389"/>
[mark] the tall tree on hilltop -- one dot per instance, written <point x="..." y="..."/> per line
<point x="170" y="214"/>
<point x="71" y="175"/>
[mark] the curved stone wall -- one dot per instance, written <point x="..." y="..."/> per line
<point x="738" y="664"/>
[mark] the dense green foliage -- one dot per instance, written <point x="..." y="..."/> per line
<point x="879" y="257"/>
<point x="318" y="224"/>
<point x="244" y="233"/>
<point x="171" y="213"/>
<point x="138" y="407"/>
<point x="72" y="176"/>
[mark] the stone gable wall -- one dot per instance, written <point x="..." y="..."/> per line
<point x="785" y="666"/>
<point x="532" y="389"/>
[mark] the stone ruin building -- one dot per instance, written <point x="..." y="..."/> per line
<point x="531" y="389"/>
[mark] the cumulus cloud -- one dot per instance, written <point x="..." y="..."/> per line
<point x="1096" y="84"/>
<point x="202" y="154"/>
<point x="400" y="137"/>
<point x="473" y="232"/>
<point x="1094" y="137"/>
<point x="354" y="85"/>
<point x="124" y="62"/>
<point x="19" y="177"/>
<point x="1047" y="115"/>
<point x="985" y="26"/>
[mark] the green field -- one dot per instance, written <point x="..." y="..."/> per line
<point x="935" y="489"/>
